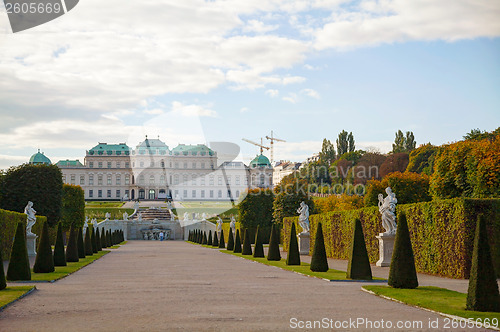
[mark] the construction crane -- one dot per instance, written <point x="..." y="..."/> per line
<point x="262" y="147"/>
<point x="272" y="139"/>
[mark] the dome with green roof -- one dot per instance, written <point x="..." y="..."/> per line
<point x="152" y="146"/>
<point x="192" y="150"/>
<point x="260" y="161"/>
<point x="39" y="159"/>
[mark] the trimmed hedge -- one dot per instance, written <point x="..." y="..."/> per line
<point x="442" y="233"/>
<point x="8" y="225"/>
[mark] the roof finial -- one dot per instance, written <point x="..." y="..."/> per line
<point x="146" y="136"/>
<point x="38" y="150"/>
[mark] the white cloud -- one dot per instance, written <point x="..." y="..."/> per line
<point x="382" y="146"/>
<point x="292" y="98"/>
<point x="311" y="93"/>
<point x="272" y="92"/>
<point x="258" y="27"/>
<point x="191" y="110"/>
<point x="244" y="109"/>
<point x="377" y="22"/>
<point x="155" y="111"/>
<point x="296" y="151"/>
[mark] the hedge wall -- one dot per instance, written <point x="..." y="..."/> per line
<point x="442" y="233"/>
<point x="8" y="225"/>
<point x="266" y="233"/>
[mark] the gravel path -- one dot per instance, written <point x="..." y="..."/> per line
<point x="173" y="285"/>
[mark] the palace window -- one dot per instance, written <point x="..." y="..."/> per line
<point x="219" y="180"/>
<point x="176" y="165"/>
<point x="109" y="180"/>
<point x="109" y="193"/>
<point x="99" y="193"/>
<point x="64" y="178"/>
<point x="127" y="179"/>
<point x="193" y="180"/>
<point x="176" y="179"/>
<point x="228" y="179"/>
<point x="82" y="180"/>
<point x="211" y="180"/>
<point x="118" y="164"/>
<point x="211" y="194"/>
<point x="72" y="179"/>
<point x="91" y="193"/>
<point x="109" y="164"/>
<point x="141" y="164"/>
<point x="194" y="165"/>
<point x="219" y="194"/>
<point x="152" y="179"/>
<point x="118" y="180"/>
<point x="91" y="180"/>
<point x="99" y="180"/>
<point x="151" y="163"/>
<point x="185" y="180"/>
<point x="193" y="194"/>
<point x="184" y="194"/>
<point x="237" y="180"/>
<point x="118" y="193"/>
<point x="202" y="165"/>
<point x="237" y="193"/>
<point x="203" y="194"/>
<point x="91" y="164"/>
<point x="99" y="164"/>
<point x="185" y="165"/>
<point x="202" y="180"/>
<point x="141" y="179"/>
<point x="127" y="164"/>
<point x="162" y="164"/>
<point x="162" y="179"/>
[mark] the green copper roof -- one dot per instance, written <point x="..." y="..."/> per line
<point x="110" y="149"/>
<point x="193" y="150"/>
<point x="260" y="161"/>
<point x="69" y="163"/>
<point x="39" y="158"/>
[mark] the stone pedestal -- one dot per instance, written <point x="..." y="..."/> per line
<point x="31" y="244"/>
<point x="304" y="243"/>
<point x="386" y="246"/>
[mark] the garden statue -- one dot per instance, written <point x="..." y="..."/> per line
<point x="31" y="220"/>
<point x="107" y="215"/>
<point x="186" y="216"/>
<point x="204" y="216"/>
<point x="169" y="205"/>
<point x="139" y="216"/>
<point x="219" y="224"/>
<point x="303" y="212"/>
<point x="94" y="223"/>
<point x="387" y="207"/>
<point x="125" y="215"/>
<point x="85" y="225"/>
<point x="232" y="224"/>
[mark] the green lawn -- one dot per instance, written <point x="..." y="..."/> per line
<point x="100" y="212"/>
<point x="104" y="204"/>
<point x="12" y="293"/>
<point x="208" y="207"/>
<point x="116" y="246"/>
<point x="63" y="271"/>
<point x="434" y="298"/>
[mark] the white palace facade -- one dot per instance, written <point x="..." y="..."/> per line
<point x="153" y="171"/>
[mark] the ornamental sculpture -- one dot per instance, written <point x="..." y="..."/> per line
<point x="387" y="207"/>
<point x="303" y="212"/>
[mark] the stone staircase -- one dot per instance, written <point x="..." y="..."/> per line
<point x="152" y="214"/>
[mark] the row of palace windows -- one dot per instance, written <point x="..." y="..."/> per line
<point x="108" y="164"/>
<point x="108" y="193"/>
<point x="175" y="165"/>
<point x="193" y="180"/>
<point x="210" y="194"/>
<point x="100" y="179"/>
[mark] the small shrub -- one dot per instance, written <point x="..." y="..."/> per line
<point x="209" y="241"/>
<point x="319" y="263"/>
<point x="247" y="247"/>
<point x="59" y="254"/>
<point x="88" y="243"/>
<point x="237" y="242"/>
<point x="93" y="240"/>
<point x="215" y="241"/>
<point x="72" y="248"/>
<point x="293" y="257"/>
<point x="230" y="240"/>
<point x="274" y="248"/>
<point x="221" y="241"/>
<point x="19" y="264"/>
<point x="258" y="251"/>
<point x="81" y="244"/>
<point x="359" y="264"/>
<point x="98" y="239"/>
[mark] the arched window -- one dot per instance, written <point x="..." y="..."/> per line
<point x="141" y="179"/>
<point x="162" y="179"/>
<point x="152" y="179"/>
<point x="176" y="179"/>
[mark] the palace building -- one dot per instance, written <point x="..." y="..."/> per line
<point x="153" y="171"/>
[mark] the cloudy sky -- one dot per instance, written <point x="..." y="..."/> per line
<point x="198" y="71"/>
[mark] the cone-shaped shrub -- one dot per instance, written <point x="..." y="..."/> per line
<point x="237" y="242"/>
<point x="59" y="255"/>
<point x="319" y="263"/>
<point x="274" y="246"/>
<point x="72" y="248"/>
<point x="293" y="257"/>
<point x="230" y="240"/>
<point x="204" y="238"/>
<point x="359" y="264"/>
<point x="98" y="239"/>
<point x="402" y="273"/>
<point x="247" y="247"/>
<point x="19" y="264"/>
<point x="221" y="240"/>
<point x="81" y="244"/>
<point x="3" y="282"/>
<point x="103" y="238"/>
<point x="258" y="251"/>
<point x="215" y="241"/>
<point x="88" y="243"/>
<point x="483" y="288"/>
<point x="199" y="237"/>
<point x="44" y="261"/>
<point x="109" y="243"/>
<point x="209" y="241"/>
<point x="93" y="241"/>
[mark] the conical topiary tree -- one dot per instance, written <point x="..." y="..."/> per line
<point x="237" y="242"/>
<point x="109" y="243"/>
<point x="293" y="257"/>
<point x="88" y="243"/>
<point x="247" y="247"/>
<point x="103" y="238"/>
<point x="319" y="263"/>
<point x="204" y="239"/>
<point x="72" y="248"/>
<point x="230" y="240"/>
<point x="44" y="261"/>
<point x="359" y="264"/>
<point x="215" y="241"/>
<point x="19" y="264"/>
<point x="209" y="241"/>
<point x="221" y="240"/>
<point x="3" y="282"/>
<point x="81" y="244"/>
<point x="98" y="239"/>
<point x="93" y="240"/>
<point x="258" y="251"/>
<point x="402" y="273"/>
<point x="273" y="253"/>
<point x="59" y="254"/>
<point x="483" y="288"/>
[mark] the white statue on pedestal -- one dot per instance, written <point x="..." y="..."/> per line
<point x="31" y="218"/>
<point x="204" y="216"/>
<point x="125" y="215"/>
<point x="94" y="223"/>
<point x="303" y="212"/>
<point x="219" y="224"/>
<point x="232" y="224"/>
<point x="107" y="215"/>
<point x="186" y="216"/>
<point x="85" y="225"/>
<point x="387" y="207"/>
